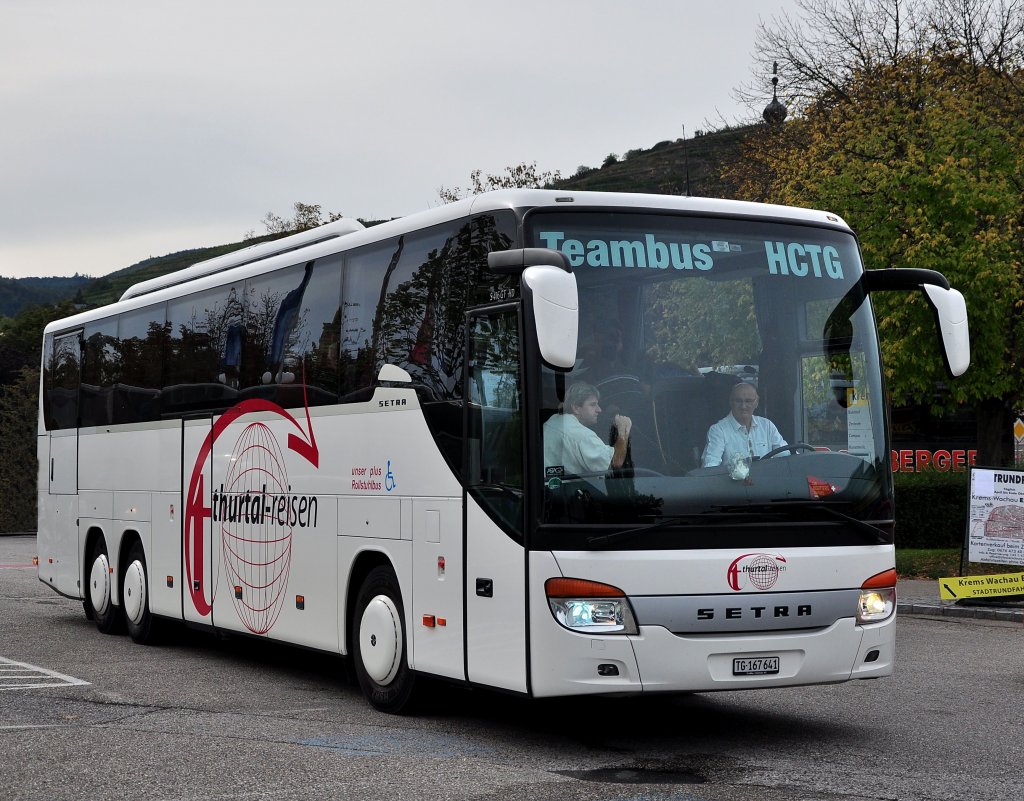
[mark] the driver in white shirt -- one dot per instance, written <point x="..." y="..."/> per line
<point x="741" y="433"/>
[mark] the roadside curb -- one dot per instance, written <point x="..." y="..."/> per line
<point x="953" y="611"/>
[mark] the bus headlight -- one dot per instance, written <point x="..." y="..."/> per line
<point x="590" y="607"/>
<point x="877" y="598"/>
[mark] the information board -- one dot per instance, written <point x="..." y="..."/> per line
<point x="955" y="588"/>
<point x="996" y="517"/>
<point x="860" y="438"/>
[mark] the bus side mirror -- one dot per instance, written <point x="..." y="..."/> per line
<point x="551" y="293"/>
<point x="548" y="288"/>
<point x="951" y="316"/>
<point x="948" y="304"/>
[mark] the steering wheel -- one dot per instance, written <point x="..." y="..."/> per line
<point x="796" y="446"/>
<point x="620" y="382"/>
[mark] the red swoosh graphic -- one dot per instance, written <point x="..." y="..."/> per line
<point x="303" y="444"/>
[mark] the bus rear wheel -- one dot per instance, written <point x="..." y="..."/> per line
<point x="379" y="643"/>
<point x="135" y="597"/>
<point x="98" y="593"/>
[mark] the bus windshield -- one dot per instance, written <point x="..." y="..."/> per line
<point x="727" y="373"/>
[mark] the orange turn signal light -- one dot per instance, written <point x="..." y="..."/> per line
<point x="580" y="588"/>
<point x="887" y="578"/>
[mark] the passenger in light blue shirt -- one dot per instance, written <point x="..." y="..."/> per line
<point x="570" y="443"/>
<point x="741" y="434"/>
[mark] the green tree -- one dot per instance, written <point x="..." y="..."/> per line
<point x="307" y="215"/>
<point x="909" y="125"/>
<point x="518" y="176"/>
<point x="21" y="337"/>
<point x="18" y="467"/>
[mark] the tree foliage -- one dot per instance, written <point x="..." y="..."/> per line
<point x="518" y="176"/>
<point x="909" y="125"/>
<point x="18" y="468"/>
<point x="306" y="216"/>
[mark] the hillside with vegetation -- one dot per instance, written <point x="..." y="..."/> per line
<point x="16" y="293"/>
<point x="668" y="167"/>
<point x="109" y="288"/>
<point x="691" y="166"/>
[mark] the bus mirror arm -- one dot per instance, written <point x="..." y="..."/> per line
<point x="514" y="262"/>
<point x="548" y="289"/>
<point x="948" y="304"/>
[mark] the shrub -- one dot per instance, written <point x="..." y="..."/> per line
<point x="931" y="509"/>
<point x="18" y="467"/>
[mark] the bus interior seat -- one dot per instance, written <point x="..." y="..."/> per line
<point x="444" y="418"/>
<point x="135" y="404"/>
<point x="96" y="405"/>
<point x="208" y="397"/>
<point x="290" y="396"/>
<point x="685" y="407"/>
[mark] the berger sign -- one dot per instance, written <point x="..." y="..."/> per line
<point x="916" y="460"/>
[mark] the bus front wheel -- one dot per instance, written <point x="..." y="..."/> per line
<point x="379" y="643"/>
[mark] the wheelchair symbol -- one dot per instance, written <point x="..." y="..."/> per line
<point x="389" y="479"/>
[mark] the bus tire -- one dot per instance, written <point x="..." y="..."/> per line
<point x="379" y="643"/>
<point x="135" y="597"/>
<point x="98" y="591"/>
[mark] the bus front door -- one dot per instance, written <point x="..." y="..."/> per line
<point x="495" y="557"/>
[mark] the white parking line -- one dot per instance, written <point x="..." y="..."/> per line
<point x="22" y="676"/>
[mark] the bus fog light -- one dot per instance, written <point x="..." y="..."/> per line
<point x="876" y="604"/>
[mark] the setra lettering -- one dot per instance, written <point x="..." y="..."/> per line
<point x="757" y="612"/>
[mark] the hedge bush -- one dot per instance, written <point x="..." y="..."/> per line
<point x="931" y="509"/>
<point x="18" y="467"/>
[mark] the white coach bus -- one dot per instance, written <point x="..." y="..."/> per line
<point x="336" y="440"/>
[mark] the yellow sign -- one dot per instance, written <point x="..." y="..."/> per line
<point x="957" y="587"/>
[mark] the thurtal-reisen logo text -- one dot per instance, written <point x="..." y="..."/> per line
<point x="760" y="570"/>
<point x="252" y="514"/>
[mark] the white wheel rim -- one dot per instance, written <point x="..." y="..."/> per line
<point x="380" y="639"/>
<point x="99" y="584"/>
<point x="134" y="599"/>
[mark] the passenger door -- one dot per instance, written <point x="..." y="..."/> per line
<point x="495" y="556"/>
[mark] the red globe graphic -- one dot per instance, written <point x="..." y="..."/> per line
<point x="763" y="572"/>
<point x="256" y="545"/>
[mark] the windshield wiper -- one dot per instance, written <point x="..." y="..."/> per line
<point x="879" y="535"/>
<point x="661" y="522"/>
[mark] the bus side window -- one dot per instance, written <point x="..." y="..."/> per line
<point x="197" y="327"/>
<point x="141" y="343"/>
<point x="495" y="469"/>
<point x="99" y="372"/>
<point x="65" y="376"/>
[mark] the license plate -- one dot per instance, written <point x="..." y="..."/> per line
<point x="755" y="666"/>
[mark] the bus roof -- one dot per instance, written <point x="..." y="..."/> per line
<point x="238" y="258"/>
<point x="324" y="240"/>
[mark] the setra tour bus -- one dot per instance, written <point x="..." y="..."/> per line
<point x="337" y="440"/>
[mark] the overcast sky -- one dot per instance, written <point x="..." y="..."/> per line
<point x="134" y="129"/>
